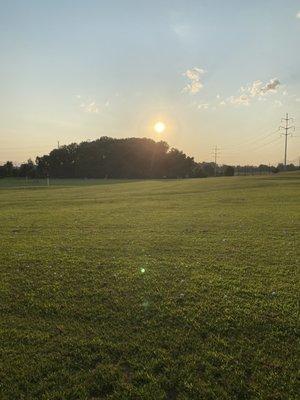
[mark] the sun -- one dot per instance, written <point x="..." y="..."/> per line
<point x="159" y="127"/>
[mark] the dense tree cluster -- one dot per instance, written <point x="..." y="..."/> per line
<point x="138" y="158"/>
<point x="116" y="158"/>
<point x="28" y="170"/>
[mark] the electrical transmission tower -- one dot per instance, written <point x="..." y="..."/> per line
<point x="215" y="154"/>
<point x="286" y="128"/>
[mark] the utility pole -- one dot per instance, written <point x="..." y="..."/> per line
<point x="215" y="153"/>
<point x="286" y="128"/>
<point x="58" y="144"/>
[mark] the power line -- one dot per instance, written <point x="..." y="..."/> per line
<point x="252" y="141"/>
<point x="258" y="147"/>
<point x="263" y="138"/>
<point x="266" y="144"/>
<point x="286" y="128"/>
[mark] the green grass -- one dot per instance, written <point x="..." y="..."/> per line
<point x="183" y="289"/>
<point x="29" y="183"/>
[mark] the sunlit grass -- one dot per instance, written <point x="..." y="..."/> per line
<point x="150" y="289"/>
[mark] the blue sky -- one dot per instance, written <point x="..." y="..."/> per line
<point x="215" y="72"/>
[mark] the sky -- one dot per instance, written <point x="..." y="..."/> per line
<point x="216" y="73"/>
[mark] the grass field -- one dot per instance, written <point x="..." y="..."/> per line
<point x="183" y="289"/>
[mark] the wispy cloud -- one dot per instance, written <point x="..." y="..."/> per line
<point x="181" y="30"/>
<point x="195" y="84"/>
<point x="243" y="99"/>
<point x="203" y="106"/>
<point x="271" y="86"/>
<point x="255" y="89"/>
<point x="246" y="95"/>
<point x="91" y="106"/>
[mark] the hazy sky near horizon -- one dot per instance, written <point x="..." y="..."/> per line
<point x="215" y="72"/>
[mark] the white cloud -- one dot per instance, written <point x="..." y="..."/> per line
<point x="194" y="75"/>
<point x="298" y="100"/>
<point x="243" y="99"/>
<point x="203" y="106"/>
<point x="90" y="106"/>
<point x="271" y="86"/>
<point x="298" y="15"/>
<point x="193" y="87"/>
<point x="256" y="89"/>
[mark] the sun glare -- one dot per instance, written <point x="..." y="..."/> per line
<point x="159" y="127"/>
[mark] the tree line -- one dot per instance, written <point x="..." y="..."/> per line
<point x="130" y="158"/>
